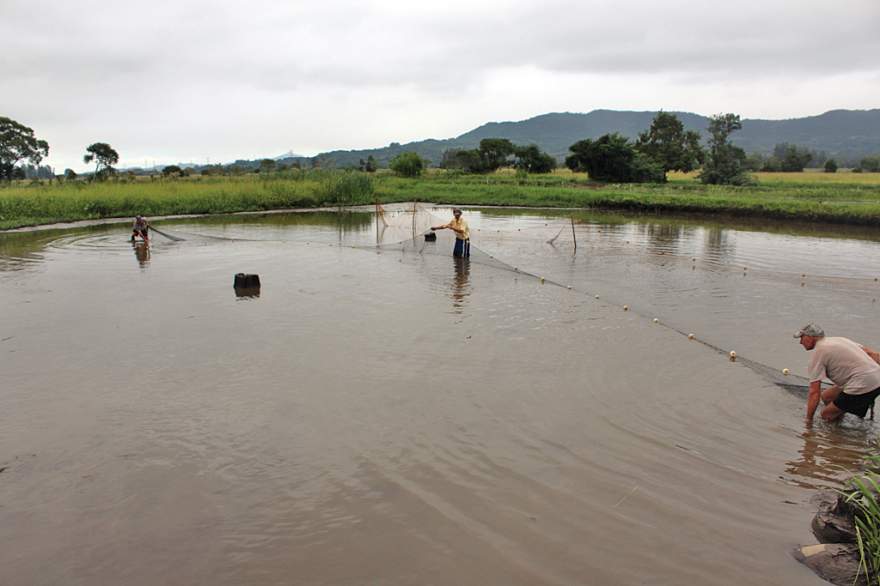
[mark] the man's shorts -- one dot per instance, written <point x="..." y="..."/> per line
<point x="856" y="404"/>
<point x="462" y="248"/>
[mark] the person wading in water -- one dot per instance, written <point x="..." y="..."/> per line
<point x="462" y="234"/>
<point x="140" y="228"/>
<point x="854" y="369"/>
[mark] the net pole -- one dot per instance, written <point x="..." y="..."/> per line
<point x="573" y="237"/>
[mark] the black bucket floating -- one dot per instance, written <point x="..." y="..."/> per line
<point x="431" y="237"/>
<point x="246" y="281"/>
<point x="246" y="285"/>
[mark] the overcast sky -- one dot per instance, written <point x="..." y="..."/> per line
<point x="183" y="80"/>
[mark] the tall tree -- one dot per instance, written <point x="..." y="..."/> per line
<point x="368" y="166"/>
<point x="18" y="143"/>
<point x="612" y="157"/>
<point x="870" y="164"/>
<point x="104" y="156"/>
<point x="725" y="163"/>
<point x="668" y="143"/>
<point x="465" y="159"/>
<point x="495" y="152"/>
<point x="792" y="158"/>
<point x="533" y="160"/>
<point x="407" y="164"/>
<point x="267" y="165"/>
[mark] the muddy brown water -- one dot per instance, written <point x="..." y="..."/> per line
<point x="382" y="417"/>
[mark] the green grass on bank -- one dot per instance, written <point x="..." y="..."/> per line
<point x="843" y="197"/>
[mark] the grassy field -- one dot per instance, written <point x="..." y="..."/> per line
<point x="852" y="198"/>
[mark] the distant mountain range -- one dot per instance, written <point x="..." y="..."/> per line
<point x="846" y="135"/>
<point x="288" y="155"/>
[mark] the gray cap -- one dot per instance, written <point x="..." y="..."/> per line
<point x="810" y="329"/>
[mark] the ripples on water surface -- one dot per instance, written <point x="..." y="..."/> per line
<point x="382" y="417"/>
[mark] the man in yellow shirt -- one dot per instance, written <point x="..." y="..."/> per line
<point x="462" y="234"/>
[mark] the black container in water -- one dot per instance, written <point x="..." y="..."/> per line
<point x="246" y="281"/>
<point x="247" y="285"/>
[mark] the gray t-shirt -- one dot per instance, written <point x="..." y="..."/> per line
<point x="846" y="364"/>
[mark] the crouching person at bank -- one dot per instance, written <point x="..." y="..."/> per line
<point x="854" y="369"/>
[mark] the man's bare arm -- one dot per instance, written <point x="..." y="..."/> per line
<point x="813" y="398"/>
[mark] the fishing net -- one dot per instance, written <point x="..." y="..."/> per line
<point x="408" y="231"/>
<point x="403" y="228"/>
<point x="404" y="231"/>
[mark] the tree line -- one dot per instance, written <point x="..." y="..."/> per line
<point x="19" y="145"/>
<point x="666" y="146"/>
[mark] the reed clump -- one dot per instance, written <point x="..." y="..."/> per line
<point x="864" y="498"/>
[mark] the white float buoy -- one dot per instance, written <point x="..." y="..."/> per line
<point x="732" y="355"/>
<point x="786" y="372"/>
<point x="597" y="296"/>
<point x="691" y="336"/>
<point x="656" y="321"/>
<point x="626" y="307"/>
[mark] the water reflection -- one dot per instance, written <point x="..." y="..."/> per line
<point x="716" y="244"/>
<point x="22" y="249"/>
<point x="141" y="253"/>
<point x="461" y="288"/>
<point x="662" y="238"/>
<point x="829" y="456"/>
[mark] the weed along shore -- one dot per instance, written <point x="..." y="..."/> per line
<point x="844" y="198"/>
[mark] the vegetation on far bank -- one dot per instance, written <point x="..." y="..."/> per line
<point x="839" y="197"/>
<point x="655" y="173"/>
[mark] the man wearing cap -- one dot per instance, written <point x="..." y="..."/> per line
<point x="462" y="234"/>
<point x="854" y="369"/>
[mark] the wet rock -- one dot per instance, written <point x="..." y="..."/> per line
<point x="833" y="523"/>
<point x="837" y="563"/>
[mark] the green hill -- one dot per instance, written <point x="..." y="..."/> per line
<point x="846" y="135"/>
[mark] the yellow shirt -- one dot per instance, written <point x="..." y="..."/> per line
<point x="460" y="224"/>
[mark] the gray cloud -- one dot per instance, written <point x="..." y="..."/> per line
<point x="228" y="77"/>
